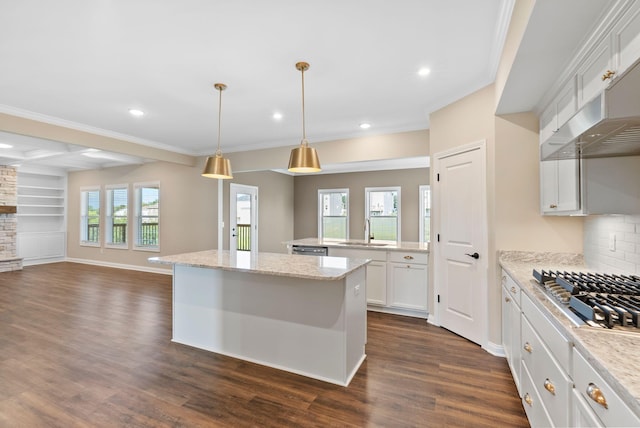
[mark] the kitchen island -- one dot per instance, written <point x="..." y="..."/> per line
<point x="306" y="315"/>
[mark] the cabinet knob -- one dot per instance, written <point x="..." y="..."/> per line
<point x="548" y="385"/>
<point x="513" y="290"/>
<point x="408" y="257"/>
<point x="506" y="299"/>
<point x="528" y="399"/>
<point x="596" y="395"/>
<point x="553" y="206"/>
<point x="528" y="347"/>
<point x="608" y="75"/>
<point x="504" y="279"/>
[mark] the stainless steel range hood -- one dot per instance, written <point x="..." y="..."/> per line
<point x="607" y="126"/>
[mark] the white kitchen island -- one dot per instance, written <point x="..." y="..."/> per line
<point x="306" y="315"/>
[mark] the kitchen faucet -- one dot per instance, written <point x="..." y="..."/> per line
<point x="367" y="230"/>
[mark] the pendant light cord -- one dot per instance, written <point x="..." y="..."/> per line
<point x="304" y="131"/>
<point x="219" y="152"/>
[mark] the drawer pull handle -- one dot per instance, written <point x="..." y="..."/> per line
<point x="528" y="399"/>
<point x="506" y="299"/>
<point x="513" y="290"/>
<point x="553" y="206"/>
<point x="408" y="257"/>
<point x="608" y="75"/>
<point x="528" y="348"/>
<point x="549" y="386"/>
<point x="596" y="395"/>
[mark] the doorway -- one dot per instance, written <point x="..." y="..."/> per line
<point x="461" y="243"/>
<point x="243" y="216"/>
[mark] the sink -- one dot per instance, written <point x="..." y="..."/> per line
<point x="363" y="244"/>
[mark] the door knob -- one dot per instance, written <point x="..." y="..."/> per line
<point x="474" y="255"/>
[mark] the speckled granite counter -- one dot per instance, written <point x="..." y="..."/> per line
<point x="323" y="268"/>
<point x="418" y="247"/>
<point x="615" y="354"/>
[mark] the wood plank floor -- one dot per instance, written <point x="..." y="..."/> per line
<point x="86" y="346"/>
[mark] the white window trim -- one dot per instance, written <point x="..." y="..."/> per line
<point x="320" y="193"/>
<point x="398" y="189"/>
<point x="136" y="215"/>
<point x="83" y="214"/>
<point x="421" y="216"/>
<point x="108" y="214"/>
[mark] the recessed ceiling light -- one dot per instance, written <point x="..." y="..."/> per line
<point x="277" y="116"/>
<point x="136" y="112"/>
<point x="424" y="71"/>
<point x="365" y="125"/>
<point x="5" y="146"/>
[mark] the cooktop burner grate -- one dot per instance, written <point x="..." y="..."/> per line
<point x="599" y="299"/>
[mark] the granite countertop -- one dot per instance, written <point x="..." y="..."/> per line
<point x="361" y="244"/>
<point x="615" y="354"/>
<point x="322" y="268"/>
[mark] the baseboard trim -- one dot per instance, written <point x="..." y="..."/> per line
<point x="494" y="349"/>
<point x="120" y="266"/>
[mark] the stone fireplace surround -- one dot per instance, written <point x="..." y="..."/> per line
<point x="8" y="221"/>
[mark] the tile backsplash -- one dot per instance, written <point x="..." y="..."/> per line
<point x="612" y="243"/>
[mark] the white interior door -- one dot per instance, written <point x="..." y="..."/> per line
<point x="243" y="216"/>
<point x="461" y="242"/>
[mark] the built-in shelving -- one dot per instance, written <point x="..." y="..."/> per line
<point x="41" y="216"/>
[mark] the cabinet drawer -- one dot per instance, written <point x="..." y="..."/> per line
<point x="549" y="380"/>
<point x="616" y="413"/>
<point x="511" y="287"/>
<point x="532" y="403"/>
<point x="407" y="257"/>
<point x="555" y="341"/>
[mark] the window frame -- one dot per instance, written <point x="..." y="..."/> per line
<point x="108" y="222"/>
<point x="398" y="189"/>
<point x="422" y="189"/>
<point x="137" y="214"/>
<point x="84" y="216"/>
<point x="321" y="193"/>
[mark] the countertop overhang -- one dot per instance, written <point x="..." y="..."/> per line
<point x="318" y="268"/>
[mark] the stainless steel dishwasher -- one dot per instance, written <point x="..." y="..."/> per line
<point x="306" y="250"/>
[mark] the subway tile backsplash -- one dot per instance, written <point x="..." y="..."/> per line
<point x="612" y="243"/>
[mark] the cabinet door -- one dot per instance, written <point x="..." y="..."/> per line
<point x="408" y="285"/>
<point x="626" y="38"/>
<point x="592" y="70"/>
<point x="560" y="186"/>
<point x="583" y="416"/>
<point x="377" y="283"/>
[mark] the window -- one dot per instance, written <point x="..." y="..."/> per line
<point x="333" y="214"/>
<point x="90" y="216"/>
<point x="147" y="216"/>
<point x="425" y="213"/>
<point x="382" y="208"/>
<point x="117" y="216"/>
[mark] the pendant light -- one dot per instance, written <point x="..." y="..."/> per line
<point x="218" y="166"/>
<point x="304" y="158"/>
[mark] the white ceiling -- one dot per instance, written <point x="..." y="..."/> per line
<point x="84" y="64"/>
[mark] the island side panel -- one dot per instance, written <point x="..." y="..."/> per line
<point x="290" y="323"/>
<point x="356" y="320"/>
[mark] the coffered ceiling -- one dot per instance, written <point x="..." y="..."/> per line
<point x="84" y="64"/>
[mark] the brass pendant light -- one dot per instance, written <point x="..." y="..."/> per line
<point x="304" y="158"/>
<point x="218" y="166"/>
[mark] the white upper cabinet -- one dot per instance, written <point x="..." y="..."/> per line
<point x="596" y="72"/>
<point x="626" y="38"/>
<point x="559" y="111"/>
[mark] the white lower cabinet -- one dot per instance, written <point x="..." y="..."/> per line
<point x="511" y="326"/>
<point x="396" y="280"/>
<point x="595" y="402"/>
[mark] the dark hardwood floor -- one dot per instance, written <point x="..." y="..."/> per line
<point x="86" y="346"/>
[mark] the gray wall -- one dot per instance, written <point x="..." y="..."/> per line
<point x="306" y="199"/>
